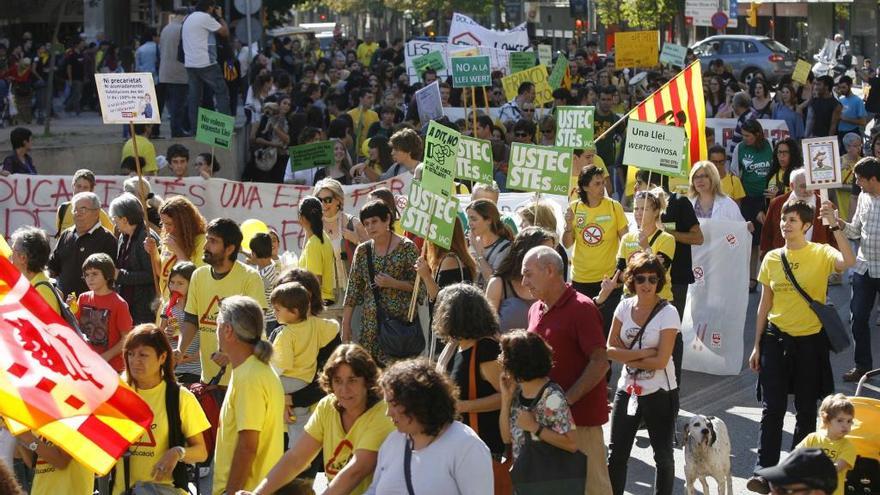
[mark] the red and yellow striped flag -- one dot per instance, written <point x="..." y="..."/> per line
<point x="51" y="382"/>
<point x="681" y="102"/>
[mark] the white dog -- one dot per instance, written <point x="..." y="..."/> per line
<point x="707" y="453"/>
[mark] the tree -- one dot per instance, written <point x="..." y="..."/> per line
<point x="637" y="14"/>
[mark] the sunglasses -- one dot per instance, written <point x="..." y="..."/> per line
<point x="651" y="279"/>
<point x="326" y="199"/>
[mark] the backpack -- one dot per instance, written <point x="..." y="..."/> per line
<point x="66" y="314"/>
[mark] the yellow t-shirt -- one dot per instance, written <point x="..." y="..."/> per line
<point x="297" y="344"/>
<point x="254" y="401"/>
<point x="595" y="239"/>
<point x="203" y="301"/>
<point x="153" y="444"/>
<point x="365" y="53"/>
<point x="811" y="266"/>
<point x="75" y="479"/>
<point x="45" y="291"/>
<point x="732" y="186"/>
<point x="67" y="221"/>
<point x="362" y="120"/>
<point x="367" y="433"/>
<point x="146" y="150"/>
<point x="317" y="257"/>
<point x="664" y="243"/>
<point x="167" y="259"/>
<point x="836" y="450"/>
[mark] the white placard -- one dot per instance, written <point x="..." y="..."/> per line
<point x="822" y="162"/>
<point x="429" y="102"/>
<point x="416" y="48"/>
<point x="128" y="98"/>
<point x="466" y="31"/>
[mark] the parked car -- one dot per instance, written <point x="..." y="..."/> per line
<point x="747" y="55"/>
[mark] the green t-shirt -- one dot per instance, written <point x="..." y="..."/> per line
<point x="754" y="166"/>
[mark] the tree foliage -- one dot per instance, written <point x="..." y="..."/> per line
<point x="638" y="14"/>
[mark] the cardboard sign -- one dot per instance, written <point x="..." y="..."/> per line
<point x="433" y="60"/>
<point x="545" y="55"/>
<point x="471" y="72"/>
<point x="418" y="48"/>
<point x="474" y="160"/>
<point x="801" y="71"/>
<point x="574" y="127"/>
<point x="520" y="61"/>
<point x="430" y="214"/>
<point x="439" y="161"/>
<point x="429" y="102"/>
<point x="215" y="128"/>
<point x="656" y="147"/>
<point x="536" y="75"/>
<point x="636" y="49"/>
<point x="541" y="169"/>
<point x="128" y="98"/>
<point x="465" y="31"/>
<point x="822" y="162"/>
<point x="673" y="54"/>
<point x="306" y="156"/>
<point x="558" y="73"/>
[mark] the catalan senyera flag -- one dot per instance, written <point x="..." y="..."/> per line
<point x="680" y="102"/>
<point x="51" y="382"/>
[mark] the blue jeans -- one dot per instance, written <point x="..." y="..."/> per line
<point x="864" y="290"/>
<point x="177" y="107"/>
<point x="212" y="77"/>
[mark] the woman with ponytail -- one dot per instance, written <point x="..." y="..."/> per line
<point x="317" y="254"/>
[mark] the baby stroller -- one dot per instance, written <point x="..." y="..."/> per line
<point x="864" y="477"/>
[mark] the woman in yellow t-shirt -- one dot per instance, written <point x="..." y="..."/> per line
<point x="317" y="255"/>
<point x="649" y="238"/>
<point x="159" y="455"/>
<point x="54" y="470"/>
<point x="791" y="351"/>
<point x="349" y="425"/>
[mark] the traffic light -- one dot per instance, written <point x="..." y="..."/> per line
<point x="752" y="19"/>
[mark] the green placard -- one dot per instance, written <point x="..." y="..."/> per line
<point x="558" y="73"/>
<point x="215" y="128"/>
<point x="306" y="156"/>
<point x="520" y="61"/>
<point x="430" y="215"/>
<point x="468" y="72"/>
<point x="574" y="127"/>
<point x="673" y="54"/>
<point x="656" y="147"/>
<point x="433" y="60"/>
<point x="474" y="160"/>
<point x="438" y="163"/>
<point x="543" y="169"/>
<point x="545" y="55"/>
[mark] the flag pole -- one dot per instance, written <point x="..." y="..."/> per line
<point x="154" y="262"/>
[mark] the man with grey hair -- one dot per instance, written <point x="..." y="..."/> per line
<point x="742" y="110"/>
<point x="86" y="237"/>
<point x="771" y="234"/>
<point x="570" y="322"/>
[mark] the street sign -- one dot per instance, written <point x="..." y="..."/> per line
<point x="719" y="20"/>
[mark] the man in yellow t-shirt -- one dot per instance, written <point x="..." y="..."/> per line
<point x="318" y="258"/>
<point x="252" y="428"/>
<point x="223" y="276"/>
<point x="366" y="50"/>
<point x="145" y="149"/>
<point x="731" y="185"/>
<point x="154" y="444"/>
<point x="55" y="471"/>
<point x="363" y="116"/>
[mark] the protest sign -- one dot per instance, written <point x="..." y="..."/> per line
<point x="430" y="214"/>
<point x="470" y="72"/>
<point x="541" y="169"/>
<point x="520" y="61"/>
<point x="723" y="129"/>
<point x="536" y="75"/>
<point x="673" y="54"/>
<point x="466" y="31"/>
<point x="655" y="147"/>
<point x="439" y="162"/>
<point x="306" y="156"/>
<point x="128" y="98"/>
<point x="801" y="72"/>
<point x="545" y="55"/>
<point x="636" y="49"/>
<point x="474" y="160"/>
<point x="418" y="48"/>
<point x="467" y="52"/>
<point x="215" y="128"/>
<point x="558" y="73"/>
<point x="574" y="127"/>
<point x="822" y="162"/>
<point x="429" y="102"/>
<point x="433" y="60"/>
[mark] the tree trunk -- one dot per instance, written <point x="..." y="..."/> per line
<point x="53" y="65"/>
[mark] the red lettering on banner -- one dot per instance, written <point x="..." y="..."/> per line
<point x="33" y="219"/>
<point x="290" y="228"/>
<point x="237" y="194"/>
<point x="36" y="194"/>
<point x="109" y="190"/>
<point x="61" y="193"/>
<point x="196" y="195"/>
<point x="299" y="193"/>
<point x="169" y="187"/>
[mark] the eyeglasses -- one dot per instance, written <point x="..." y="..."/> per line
<point x="783" y="152"/>
<point x="651" y="279"/>
<point x="326" y="199"/>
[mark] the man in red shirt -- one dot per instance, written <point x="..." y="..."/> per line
<point x="771" y="234"/>
<point x="572" y="325"/>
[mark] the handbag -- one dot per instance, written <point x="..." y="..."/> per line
<point x="265" y="158"/>
<point x="835" y="331"/>
<point x="397" y="338"/>
<point x="542" y="468"/>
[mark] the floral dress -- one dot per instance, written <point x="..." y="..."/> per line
<point x="398" y="264"/>
<point x="551" y="411"/>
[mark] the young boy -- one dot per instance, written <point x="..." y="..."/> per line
<point x="261" y="258"/>
<point x="102" y="313"/>
<point x="189" y="369"/>
<point x="837" y="414"/>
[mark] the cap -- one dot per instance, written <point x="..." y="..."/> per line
<point x="808" y="466"/>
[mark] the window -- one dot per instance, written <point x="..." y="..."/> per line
<point x="750" y="47"/>
<point x="732" y="47"/>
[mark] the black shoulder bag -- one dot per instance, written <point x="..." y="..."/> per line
<point x="397" y="338"/>
<point x="835" y="331"/>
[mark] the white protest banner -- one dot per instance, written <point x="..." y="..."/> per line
<point x="717" y="302"/>
<point x="128" y="98"/>
<point x="466" y="31"/>
<point x="656" y="147"/>
<point x="774" y="130"/>
<point x="417" y="48"/>
<point x="429" y="103"/>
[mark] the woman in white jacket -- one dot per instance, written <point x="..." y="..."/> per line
<point x="706" y="195"/>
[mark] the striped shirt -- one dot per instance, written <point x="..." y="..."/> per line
<point x="866" y="226"/>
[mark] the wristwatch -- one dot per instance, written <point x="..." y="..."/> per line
<point x="33" y="446"/>
<point x="181" y="450"/>
<point x="834" y="228"/>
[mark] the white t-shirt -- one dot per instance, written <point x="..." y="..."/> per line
<point x="649" y="380"/>
<point x="198" y="29"/>
<point x="457" y="462"/>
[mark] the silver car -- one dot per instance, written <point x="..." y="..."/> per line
<point x="747" y="55"/>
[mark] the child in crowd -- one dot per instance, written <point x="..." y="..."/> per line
<point x="261" y="258"/>
<point x="102" y="313"/>
<point x="837" y="414"/>
<point x="189" y="369"/>
<point x="296" y="345"/>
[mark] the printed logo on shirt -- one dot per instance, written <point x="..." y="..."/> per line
<point x="592" y="234"/>
<point x="628" y="336"/>
<point x="147" y="439"/>
<point x="209" y="317"/>
<point x="94" y="324"/>
<point x="340" y="457"/>
<point x="603" y="218"/>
